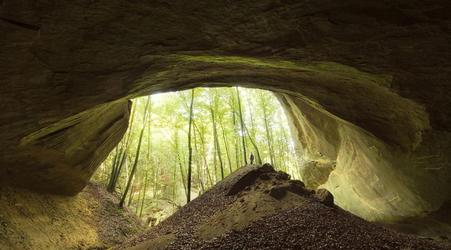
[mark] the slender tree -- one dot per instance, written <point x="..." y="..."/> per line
<point x="204" y="152"/>
<point x="143" y="198"/>
<point x="113" y="169"/>
<point x="257" y="151"/>
<point x="122" y="156"/>
<point x="190" y="148"/>
<point x="135" y="164"/>
<point x="132" y="193"/>
<point x="198" y="163"/>
<point x="226" y="144"/>
<point x="179" y="161"/>
<point x="213" y="107"/>
<point x="240" y="112"/>
<point x="236" y="129"/>
<point x="269" y="140"/>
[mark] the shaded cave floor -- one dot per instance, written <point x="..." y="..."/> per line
<point x="259" y="208"/>
<point x="253" y="208"/>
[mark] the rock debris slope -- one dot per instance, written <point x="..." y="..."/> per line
<point x="259" y="208"/>
<point x="89" y="220"/>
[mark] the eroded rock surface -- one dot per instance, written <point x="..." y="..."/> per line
<point x="365" y="82"/>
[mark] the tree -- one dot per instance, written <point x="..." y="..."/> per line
<point x="199" y="163"/>
<point x="146" y="180"/>
<point x="216" y="127"/>
<point x="240" y="112"/>
<point x="254" y="144"/>
<point x="213" y="108"/>
<point x="264" y="107"/>
<point x="201" y="132"/>
<point x="179" y="161"/>
<point x="236" y="128"/>
<point x="226" y="144"/>
<point x="135" y="163"/>
<point x="120" y="158"/>
<point x="190" y="148"/>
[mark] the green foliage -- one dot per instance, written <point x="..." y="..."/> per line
<point x="218" y="140"/>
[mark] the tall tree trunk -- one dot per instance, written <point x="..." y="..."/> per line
<point x="122" y="156"/>
<point x="268" y="129"/>
<point x="226" y="144"/>
<point x="204" y="153"/>
<point x="177" y="152"/>
<point x="251" y="135"/>
<point x="135" y="164"/>
<point x="118" y="170"/>
<point x="240" y="112"/>
<point x="148" y="160"/>
<point x="237" y="154"/>
<point x="190" y="148"/>
<point x="132" y="193"/>
<point x="113" y="170"/>
<point x="156" y="169"/>
<point x="257" y="152"/>
<point x="235" y="129"/>
<point x="146" y="180"/>
<point x="215" y="162"/>
<point x="215" y="135"/>
<point x="183" y="177"/>
<point x="174" y="180"/>
<point x="198" y="162"/>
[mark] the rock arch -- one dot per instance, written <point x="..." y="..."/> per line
<point x="365" y="84"/>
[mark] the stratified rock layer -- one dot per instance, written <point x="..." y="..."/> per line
<point x="366" y="84"/>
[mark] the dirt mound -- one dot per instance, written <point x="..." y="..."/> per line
<point x="259" y="208"/>
<point x="90" y="220"/>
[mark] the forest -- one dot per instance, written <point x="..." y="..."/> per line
<point x="179" y="144"/>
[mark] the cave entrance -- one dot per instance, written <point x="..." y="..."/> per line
<point x="230" y="127"/>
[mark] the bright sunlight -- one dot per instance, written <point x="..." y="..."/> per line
<point x="227" y="128"/>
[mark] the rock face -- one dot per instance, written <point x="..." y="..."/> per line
<point x="366" y="84"/>
<point x="325" y="197"/>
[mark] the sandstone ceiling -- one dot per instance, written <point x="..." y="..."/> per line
<point x="366" y="85"/>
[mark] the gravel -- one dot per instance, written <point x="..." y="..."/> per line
<point x="308" y="224"/>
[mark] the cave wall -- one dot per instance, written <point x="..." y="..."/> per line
<point x="381" y="70"/>
<point x="367" y="176"/>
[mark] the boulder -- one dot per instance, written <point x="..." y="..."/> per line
<point x="325" y="197"/>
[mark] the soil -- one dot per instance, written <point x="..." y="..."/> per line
<point x="435" y="225"/>
<point x="259" y="208"/>
<point x="89" y="220"/>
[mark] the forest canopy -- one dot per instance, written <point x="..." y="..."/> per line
<point x="179" y="144"/>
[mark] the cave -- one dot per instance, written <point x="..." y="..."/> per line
<point x="365" y="85"/>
